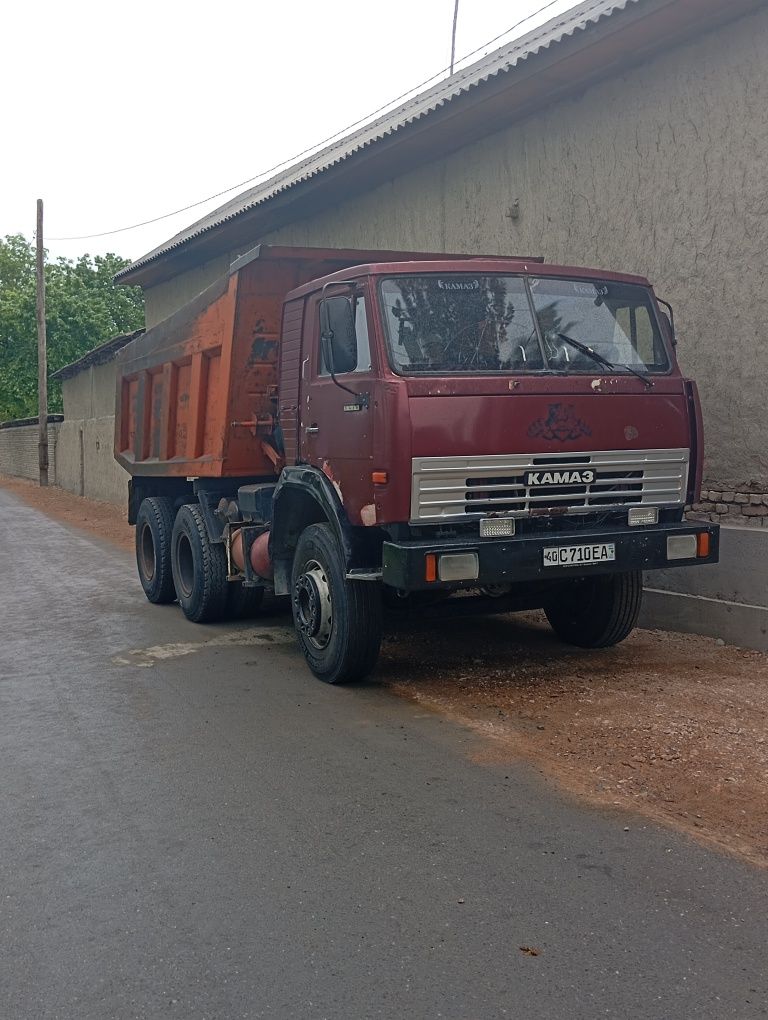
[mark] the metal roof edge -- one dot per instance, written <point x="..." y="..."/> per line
<point x="98" y="355"/>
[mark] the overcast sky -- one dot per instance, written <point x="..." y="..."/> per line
<point x="140" y="108"/>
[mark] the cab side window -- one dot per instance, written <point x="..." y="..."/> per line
<point x="346" y="319"/>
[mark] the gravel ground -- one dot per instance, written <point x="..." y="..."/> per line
<point x="671" y="726"/>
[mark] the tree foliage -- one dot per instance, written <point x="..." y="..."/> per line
<point x="83" y="309"/>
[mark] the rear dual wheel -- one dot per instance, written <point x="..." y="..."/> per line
<point x="337" y="621"/>
<point x="154" y="527"/>
<point x="199" y="567"/>
<point x="177" y="560"/>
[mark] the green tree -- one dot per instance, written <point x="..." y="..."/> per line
<point x="83" y="309"/>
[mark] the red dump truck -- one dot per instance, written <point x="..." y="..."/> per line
<point x="360" y="428"/>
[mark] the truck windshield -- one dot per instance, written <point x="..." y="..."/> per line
<point x="438" y="325"/>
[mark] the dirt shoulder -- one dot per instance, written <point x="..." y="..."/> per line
<point x="672" y="726"/>
<point x="103" y="520"/>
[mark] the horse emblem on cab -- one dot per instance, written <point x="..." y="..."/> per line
<point x="561" y="424"/>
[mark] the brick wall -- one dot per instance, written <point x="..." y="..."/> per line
<point x="745" y="505"/>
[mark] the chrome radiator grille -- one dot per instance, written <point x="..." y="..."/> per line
<point x="460" y="486"/>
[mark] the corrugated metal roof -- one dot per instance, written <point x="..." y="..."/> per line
<point x="98" y="355"/>
<point x="502" y="60"/>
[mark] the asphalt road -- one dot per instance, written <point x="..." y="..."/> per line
<point x="194" y="827"/>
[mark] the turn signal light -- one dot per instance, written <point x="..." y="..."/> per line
<point x="702" y="544"/>
<point x="430" y="567"/>
<point x="379" y="477"/>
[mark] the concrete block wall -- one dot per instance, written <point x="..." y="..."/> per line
<point x="86" y="465"/>
<point x="81" y="454"/>
<point x="19" y="455"/>
<point x="727" y="600"/>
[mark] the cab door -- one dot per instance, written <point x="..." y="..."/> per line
<point x="336" y="417"/>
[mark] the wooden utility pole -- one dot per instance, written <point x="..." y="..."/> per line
<point x="453" y="33"/>
<point x="42" y="353"/>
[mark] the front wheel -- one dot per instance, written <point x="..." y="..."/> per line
<point x="338" y="622"/>
<point x="596" y="612"/>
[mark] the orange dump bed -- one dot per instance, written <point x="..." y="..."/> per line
<point x="196" y="393"/>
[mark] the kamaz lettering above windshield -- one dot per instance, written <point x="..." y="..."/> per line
<point x="363" y="430"/>
<point x="519" y="324"/>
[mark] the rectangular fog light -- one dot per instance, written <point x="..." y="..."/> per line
<point x="459" y="567"/>
<point x="642" y="515"/>
<point x="497" y="527"/>
<point x="681" y="547"/>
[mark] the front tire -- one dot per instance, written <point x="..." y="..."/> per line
<point x="596" y="612"/>
<point x="154" y="530"/>
<point x="199" y="567"/>
<point x="338" y="622"/>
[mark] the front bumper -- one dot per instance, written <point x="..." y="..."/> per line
<point x="521" y="558"/>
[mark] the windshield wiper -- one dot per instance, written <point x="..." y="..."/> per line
<point x="585" y="349"/>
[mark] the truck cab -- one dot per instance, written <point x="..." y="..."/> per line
<point x="500" y="423"/>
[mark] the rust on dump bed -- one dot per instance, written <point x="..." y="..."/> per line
<point x="196" y="394"/>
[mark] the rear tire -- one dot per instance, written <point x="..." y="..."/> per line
<point x="243" y="603"/>
<point x="596" y="612"/>
<point x="338" y="622"/>
<point x="154" y="529"/>
<point x="199" y="567"/>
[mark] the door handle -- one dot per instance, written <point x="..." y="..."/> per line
<point x="311" y="430"/>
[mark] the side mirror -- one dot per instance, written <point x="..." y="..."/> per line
<point x="670" y="332"/>
<point x="668" y="319"/>
<point x="338" y="339"/>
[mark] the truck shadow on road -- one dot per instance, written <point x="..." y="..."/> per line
<point x="519" y="647"/>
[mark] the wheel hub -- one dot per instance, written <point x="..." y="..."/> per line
<point x="312" y="604"/>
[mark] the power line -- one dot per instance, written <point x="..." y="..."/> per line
<point x="312" y="148"/>
<point x="453" y="33"/>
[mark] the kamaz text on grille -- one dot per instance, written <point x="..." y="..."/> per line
<point x="569" y="477"/>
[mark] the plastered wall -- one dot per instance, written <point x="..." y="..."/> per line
<point x="166" y="298"/>
<point x="661" y="171"/>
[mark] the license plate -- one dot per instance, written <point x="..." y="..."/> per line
<point x="579" y="555"/>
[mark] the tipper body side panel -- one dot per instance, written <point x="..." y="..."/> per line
<point x="197" y="393"/>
